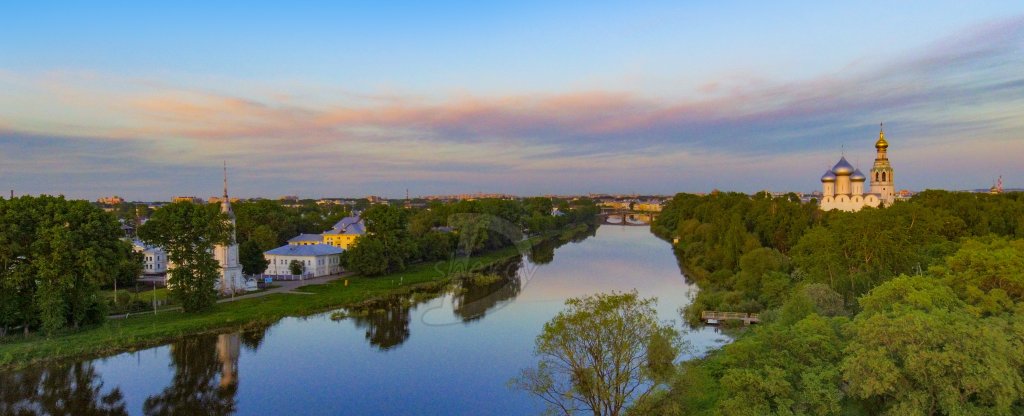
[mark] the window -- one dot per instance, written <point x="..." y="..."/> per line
<point x="883" y="176"/>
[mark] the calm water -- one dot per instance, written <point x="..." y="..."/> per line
<point x="449" y="353"/>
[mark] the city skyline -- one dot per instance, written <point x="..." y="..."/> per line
<point x="449" y="98"/>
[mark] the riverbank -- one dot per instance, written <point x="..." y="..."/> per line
<point x="143" y="331"/>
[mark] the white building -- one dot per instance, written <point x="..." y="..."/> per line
<point x="316" y="259"/>
<point x="154" y="259"/>
<point x="231" y="279"/>
<point x="842" y="187"/>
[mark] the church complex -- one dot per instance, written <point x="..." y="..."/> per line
<point x="842" y="187"/>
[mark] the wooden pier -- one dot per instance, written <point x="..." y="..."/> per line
<point x="716" y="317"/>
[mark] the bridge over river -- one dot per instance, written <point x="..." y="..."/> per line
<point x="627" y="217"/>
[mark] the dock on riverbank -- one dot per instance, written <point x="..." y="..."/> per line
<point x="716" y="317"/>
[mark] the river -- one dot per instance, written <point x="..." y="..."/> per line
<point x="450" y="353"/>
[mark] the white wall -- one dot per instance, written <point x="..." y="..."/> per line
<point x="317" y="265"/>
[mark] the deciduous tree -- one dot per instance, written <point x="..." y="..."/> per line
<point x="189" y="232"/>
<point x="600" y="354"/>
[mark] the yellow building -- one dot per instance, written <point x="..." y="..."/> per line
<point x="344" y="234"/>
<point x="191" y="199"/>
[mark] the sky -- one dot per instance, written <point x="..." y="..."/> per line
<point x="322" y="99"/>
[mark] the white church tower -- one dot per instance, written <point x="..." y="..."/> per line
<point x="231" y="278"/>
<point x="882" y="182"/>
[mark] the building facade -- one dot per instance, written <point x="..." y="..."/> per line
<point x="842" y="187"/>
<point x="344" y="234"/>
<point x="316" y="259"/>
<point x="154" y="259"/>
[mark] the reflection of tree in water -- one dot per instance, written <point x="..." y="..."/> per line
<point x="196" y="388"/>
<point x="386" y="322"/>
<point x="543" y="252"/>
<point x="474" y="300"/>
<point x="589" y="232"/>
<point x="59" y="389"/>
<point x="252" y="338"/>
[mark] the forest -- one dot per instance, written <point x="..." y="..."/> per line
<point x="913" y="309"/>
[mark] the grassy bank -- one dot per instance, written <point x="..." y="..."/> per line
<point x="142" y="331"/>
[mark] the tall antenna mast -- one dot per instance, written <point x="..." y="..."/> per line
<point x="225" y="180"/>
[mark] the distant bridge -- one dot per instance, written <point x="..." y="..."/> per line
<point x="626" y="217"/>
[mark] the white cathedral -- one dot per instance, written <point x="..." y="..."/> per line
<point x="231" y="278"/>
<point x="842" y="187"/>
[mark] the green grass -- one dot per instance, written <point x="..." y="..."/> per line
<point x="145" y="295"/>
<point x="146" y="330"/>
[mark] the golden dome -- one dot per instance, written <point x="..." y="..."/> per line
<point x="881" y="143"/>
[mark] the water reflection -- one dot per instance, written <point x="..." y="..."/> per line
<point x="386" y="322"/>
<point x="205" y="377"/>
<point x="60" y="389"/>
<point x="473" y="299"/>
<point x="252" y="338"/>
<point x="544" y="251"/>
<point x="337" y="367"/>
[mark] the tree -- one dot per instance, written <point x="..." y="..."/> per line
<point x="386" y="219"/>
<point x="916" y="349"/>
<point x="189" y="232"/>
<point x="784" y="369"/>
<point x="296" y="267"/>
<point x="251" y="258"/>
<point x="600" y="354"/>
<point x="368" y="257"/>
<point x="54" y="256"/>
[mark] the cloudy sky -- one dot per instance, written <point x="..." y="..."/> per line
<point x="347" y="99"/>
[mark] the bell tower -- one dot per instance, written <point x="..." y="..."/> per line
<point x="882" y="182"/>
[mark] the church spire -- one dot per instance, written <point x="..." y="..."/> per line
<point x="225" y="205"/>
<point x="225" y="180"/>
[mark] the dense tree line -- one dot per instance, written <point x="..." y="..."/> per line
<point x="397" y="237"/>
<point x="55" y="254"/>
<point x="917" y="308"/>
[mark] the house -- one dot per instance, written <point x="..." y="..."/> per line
<point x="306" y="240"/>
<point x="154" y="259"/>
<point x="344" y="234"/>
<point x="316" y="259"/>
